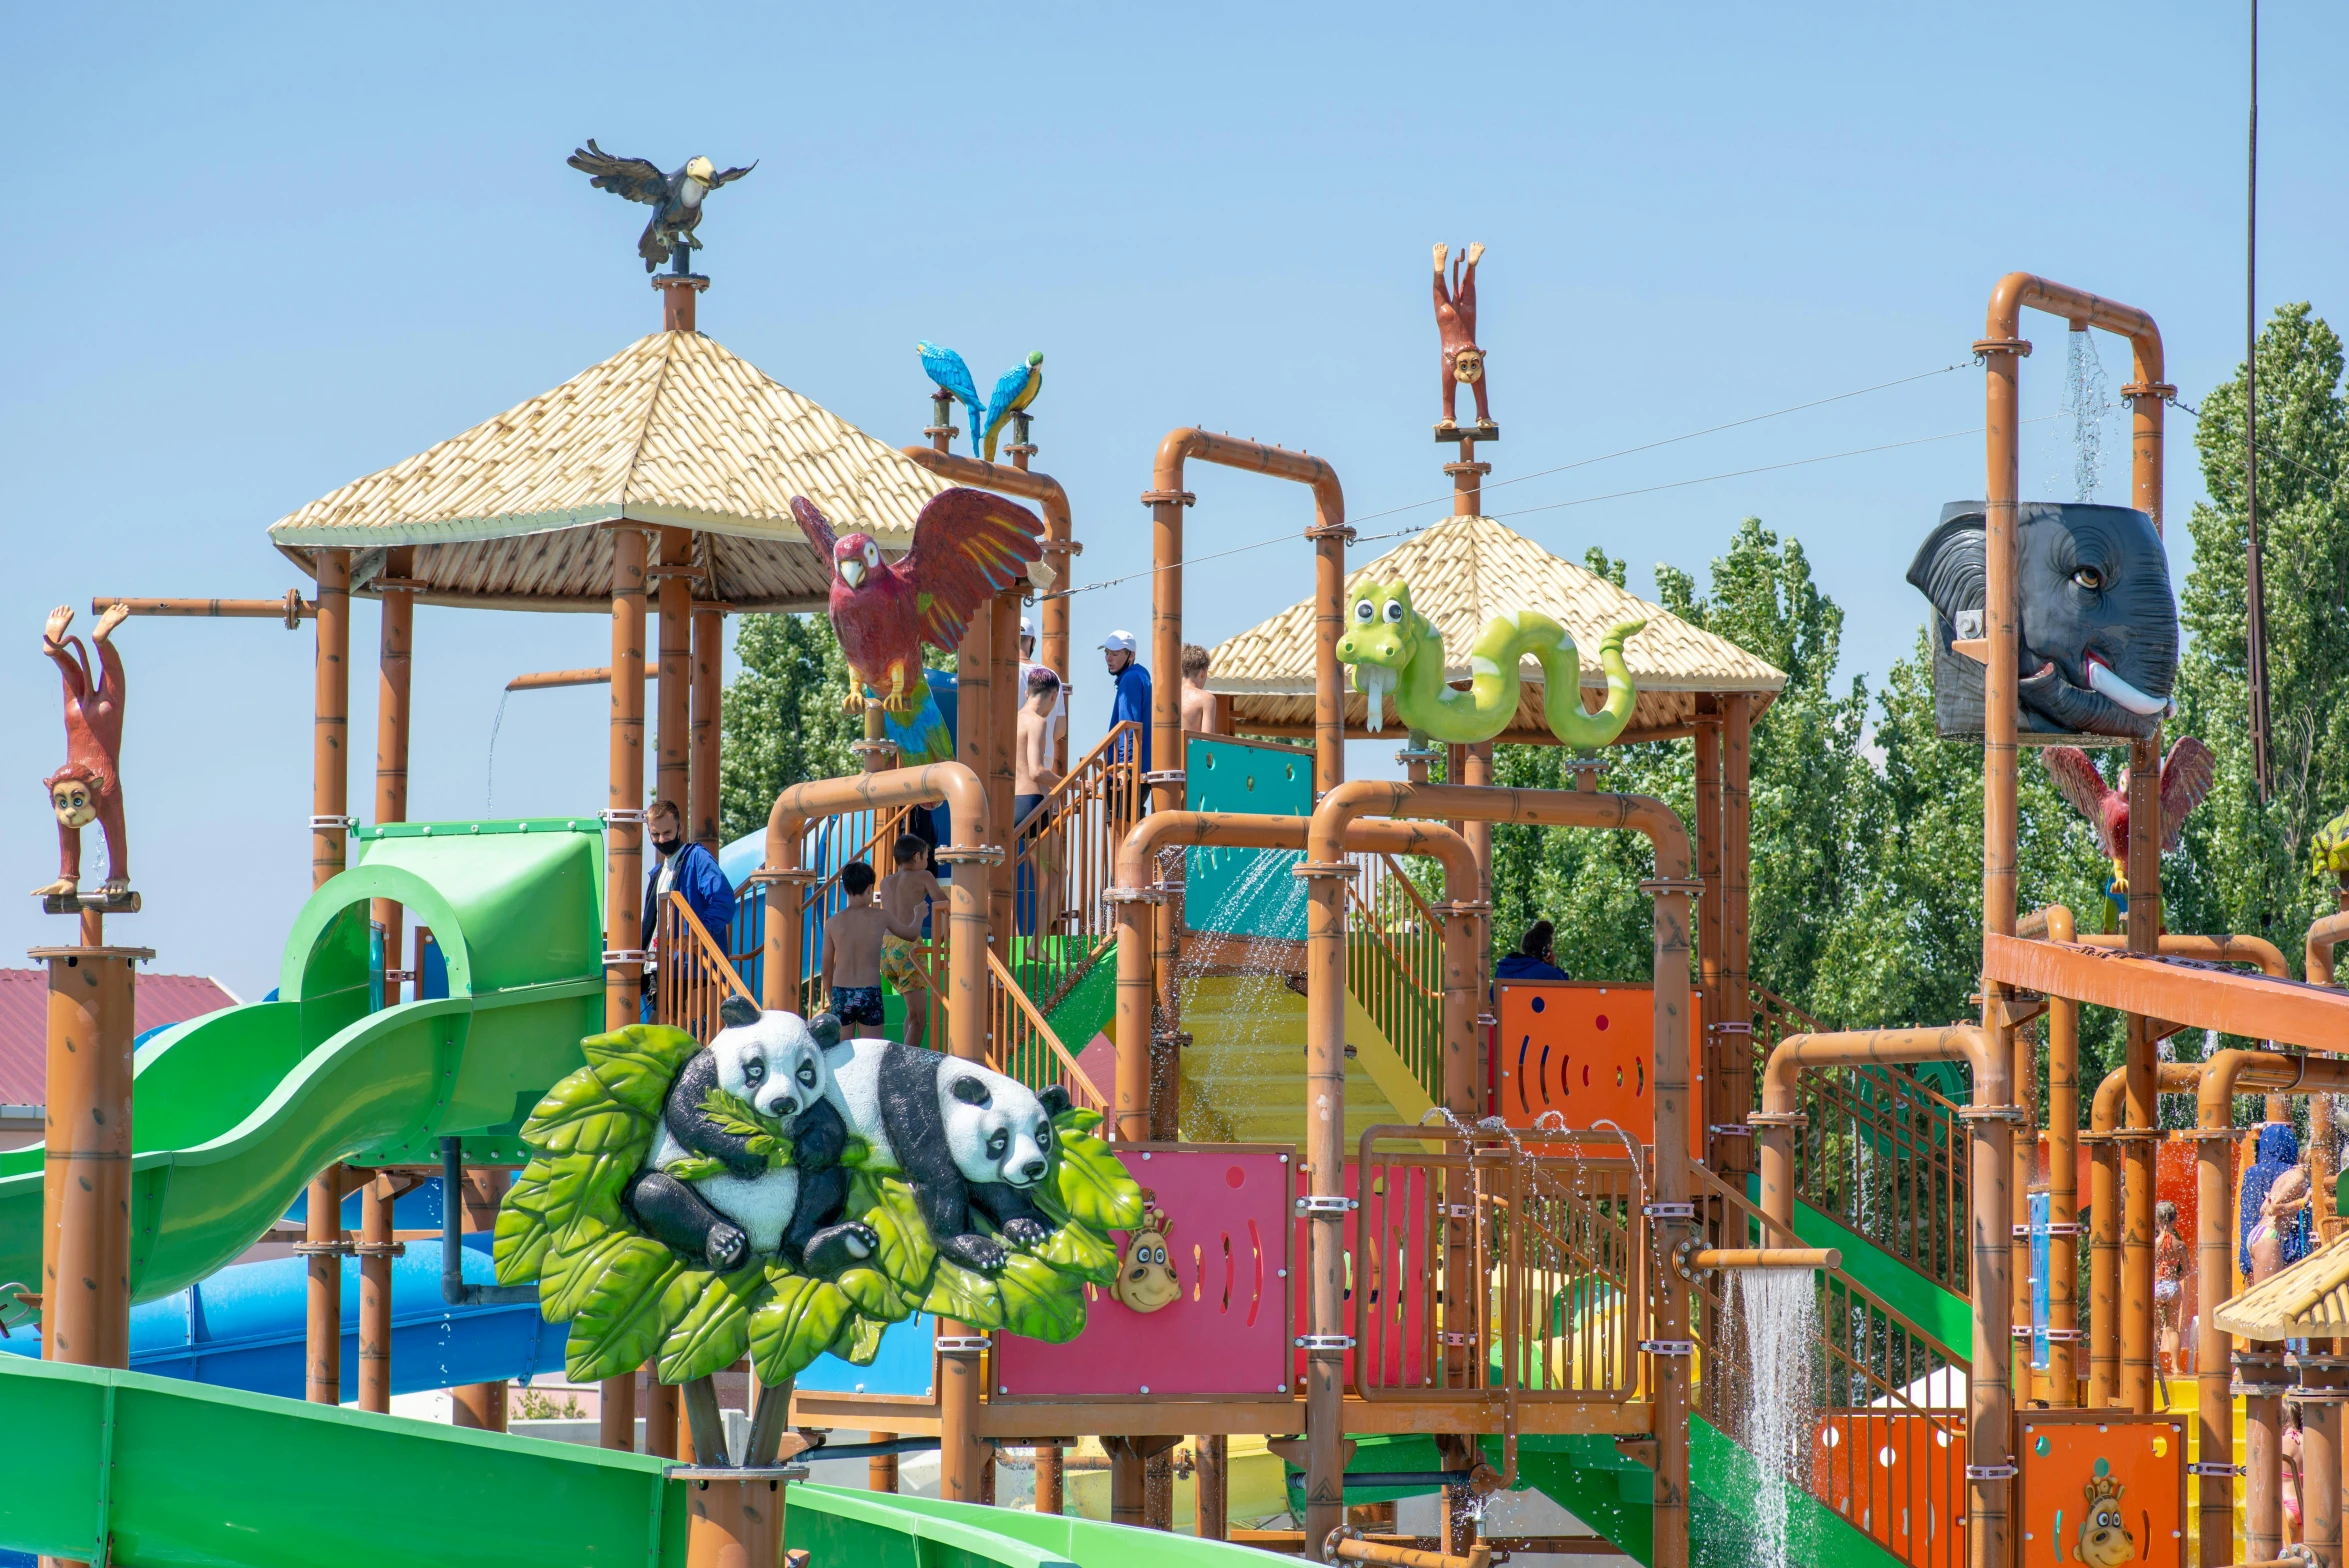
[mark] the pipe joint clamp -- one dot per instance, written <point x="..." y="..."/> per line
<point x="1667" y="1347"/>
<point x="1133" y="895"/>
<point x="333" y="824"/>
<point x="1343" y="531"/>
<point x="1325" y="1344"/>
<point x="1990" y="1472"/>
<point x="323" y="1249"/>
<point x="1157" y="776"/>
<point x="622" y="816"/>
<point x="1777" y="1119"/>
<point x="2014" y="1115"/>
<point x="1667" y="887"/>
<point x="381" y="1249"/>
<point x="2159" y="389"/>
<point x="1327" y="1204"/>
<point x="2214" y="1469"/>
<point x="1668" y="1211"/>
<point x="2017" y="346"/>
<point x="1335" y="870"/>
<point x="962" y="1344"/>
<point x="970" y="854"/>
<point x="1169" y="498"/>
<point x="623" y="955"/>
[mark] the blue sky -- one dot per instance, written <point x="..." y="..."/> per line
<point x="257" y="252"/>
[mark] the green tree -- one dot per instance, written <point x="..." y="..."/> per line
<point x="2246" y="863"/>
<point x="784" y="716"/>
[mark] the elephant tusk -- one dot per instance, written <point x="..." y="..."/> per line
<point x="2101" y="679"/>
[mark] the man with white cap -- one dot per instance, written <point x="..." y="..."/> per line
<point x="1028" y="666"/>
<point x="1131" y="699"/>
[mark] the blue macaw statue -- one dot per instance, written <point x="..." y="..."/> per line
<point x="1015" y="389"/>
<point x="945" y="367"/>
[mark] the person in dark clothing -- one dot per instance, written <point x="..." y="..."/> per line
<point x="686" y="868"/>
<point x="1531" y="961"/>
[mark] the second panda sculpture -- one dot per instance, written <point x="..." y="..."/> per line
<point x="966" y="1137"/>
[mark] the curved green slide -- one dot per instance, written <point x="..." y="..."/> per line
<point x="234" y="1112"/>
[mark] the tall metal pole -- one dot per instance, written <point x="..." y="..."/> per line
<point x="323" y="1243"/>
<point x="624" y="856"/>
<point x="2254" y="588"/>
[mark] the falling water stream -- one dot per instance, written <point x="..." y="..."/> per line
<point x="2088" y="399"/>
<point x="1777" y="1311"/>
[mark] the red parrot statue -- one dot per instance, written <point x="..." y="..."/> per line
<point x="2186" y="776"/>
<point x="968" y="545"/>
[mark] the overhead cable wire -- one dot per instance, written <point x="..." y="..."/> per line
<point x="1444" y="499"/>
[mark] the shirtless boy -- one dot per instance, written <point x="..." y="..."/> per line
<point x="1198" y="706"/>
<point x="852" y="954"/>
<point x="905" y="894"/>
<point x="1033" y="772"/>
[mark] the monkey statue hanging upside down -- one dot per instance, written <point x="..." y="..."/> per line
<point x="89" y="787"/>
<point x="1456" y="319"/>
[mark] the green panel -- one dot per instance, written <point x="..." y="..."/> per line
<point x="236" y="1111"/>
<point x="839" y="1525"/>
<point x="1091" y="1006"/>
<point x="1944" y="1314"/>
<point x="1249" y="892"/>
<point x="176" y="1473"/>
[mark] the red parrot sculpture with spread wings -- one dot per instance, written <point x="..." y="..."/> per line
<point x="2186" y="776"/>
<point x="968" y="545"/>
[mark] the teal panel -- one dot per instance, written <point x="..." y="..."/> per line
<point x="1248" y="892"/>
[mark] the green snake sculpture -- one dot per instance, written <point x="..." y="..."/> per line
<point x="1396" y="652"/>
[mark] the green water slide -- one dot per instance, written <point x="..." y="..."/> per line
<point x="118" y="1467"/>
<point x="233" y="1113"/>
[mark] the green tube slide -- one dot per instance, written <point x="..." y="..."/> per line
<point x="233" y="1113"/>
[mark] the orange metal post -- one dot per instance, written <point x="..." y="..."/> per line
<point x="482" y="1406"/>
<point x="324" y="1245"/>
<point x="881" y="1469"/>
<point x="323" y="1242"/>
<point x="546" y="680"/>
<point x="1737" y="1011"/>
<point x="962" y="1458"/>
<point x="624" y="814"/>
<point x="2063" y="1185"/>
<point x="1003" y="719"/>
<point x="85" y="1164"/>
<point x="735" y="1524"/>
<point x="376" y="1250"/>
<point x="1718" y="1111"/>
<point x="393" y="662"/>
<point x="1326" y="871"/>
<point x="673" y="726"/>
<point x="1477" y="773"/>
<point x="663" y="1412"/>
<point x="709" y="689"/>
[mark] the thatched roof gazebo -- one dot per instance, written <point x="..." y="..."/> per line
<point x="1463" y="572"/>
<point x="672" y="432"/>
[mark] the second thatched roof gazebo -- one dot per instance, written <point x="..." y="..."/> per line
<point x="1463" y="572"/>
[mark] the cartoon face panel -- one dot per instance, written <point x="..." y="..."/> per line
<point x="997" y="1129"/>
<point x="774" y="1062"/>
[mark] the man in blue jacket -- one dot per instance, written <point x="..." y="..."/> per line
<point x="685" y="868"/>
<point x="1131" y="697"/>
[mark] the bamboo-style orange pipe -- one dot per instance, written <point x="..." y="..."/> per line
<point x="673" y="704"/>
<point x="1325" y="870"/>
<point x="293" y="609"/>
<point x="962" y="1458"/>
<point x="86" y="1161"/>
<point x="1346" y="1545"/>
<point x="2323" y="937"/>
<point x="2106" y="1308"/>
<point x="1766" y="1258"/>
<point x="2063" y="1174"/>
<point x="2001" y="348"/>
<point x="1990" y="1394"/>
<point x="709" y="687"/>
<point x="545" y="680"/>
<point x="1060" y="544"/>
<point x="1136" y="891"/>
<point x="624" y="802"/>
<point x="1167" y="498"/>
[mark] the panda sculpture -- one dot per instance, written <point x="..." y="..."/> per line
<point x="774" y="1061"/>
<point x="966" y="1138"/>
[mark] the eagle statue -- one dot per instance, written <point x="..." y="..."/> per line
<point x="968" y="545"/>
<point x="676" y="198"/>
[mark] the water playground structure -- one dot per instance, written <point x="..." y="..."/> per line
<point x="1226" y="1148"/>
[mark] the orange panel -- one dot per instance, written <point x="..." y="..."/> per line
<point x="2071" y="1463"/>
<point x="1585" y="1050"/>
<point x="2258" y="1007"/>
<point x="1898" y="1477"/>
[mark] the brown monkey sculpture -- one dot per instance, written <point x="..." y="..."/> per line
<point x="89" y="787"/>
<point x="1455" y="310"/>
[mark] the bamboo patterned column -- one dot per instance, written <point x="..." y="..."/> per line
<point x="709" y="697"/>
<point x="673" y="732"/>
<point x="624" y="855"/>
<point x="1736" y="1027"/>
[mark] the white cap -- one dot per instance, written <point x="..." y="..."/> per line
<point x="1027" y="627"/>
<point x="1118" y="642"/>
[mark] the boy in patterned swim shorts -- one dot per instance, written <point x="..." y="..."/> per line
<point x="905" y="894"/>
<point x="852" y="954"/>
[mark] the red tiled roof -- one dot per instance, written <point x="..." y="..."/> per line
<point x="24" y="1021"/>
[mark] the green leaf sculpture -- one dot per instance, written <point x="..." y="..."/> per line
<point x="630" y="1299"/>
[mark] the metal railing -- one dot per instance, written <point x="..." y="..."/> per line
<point x="1483" y="1270"/>
<point x="1880" y="1150"/>
<point x="1884" y="1447"/>
<point x="1023" y="1046"/>
<point x="1065" y="859"/>
<point x="1395" y="964"/>
<point x="695" y="976"/>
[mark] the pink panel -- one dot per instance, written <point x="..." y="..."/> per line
<point x="1395" y="1221"/>
<point x="1228" y="1242"/>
